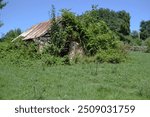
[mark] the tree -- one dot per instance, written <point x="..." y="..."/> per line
<point x="135" y="34"/>
<point x="125" y="25"/>
<point x="117" y="21"/>
<point x="53" y="13"/>
<point x="94" y="7"/>
<point x="147" y="42"/>
<point x="145" y="29"/>
<point x="2" y="4"/>
<point x="10" y="35"/>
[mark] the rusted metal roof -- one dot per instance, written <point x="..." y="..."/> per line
<point x="36" y="31"/>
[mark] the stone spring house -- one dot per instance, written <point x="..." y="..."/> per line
<point x="39" y="34"/>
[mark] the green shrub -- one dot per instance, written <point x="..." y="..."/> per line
<point x="50" y="60"/>
<point x="138" y="42"/>
<point x="19" y="52"/>
<point x="88" y="59"/>
<point x="10" y="35"/>
<point x="66" y="60"/>
<point x="67" y="28"/>
<point x="101" y="37"/>
<point x="111" y="56"/>
<point x="147" y="43"/>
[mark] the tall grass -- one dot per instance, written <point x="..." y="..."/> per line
<point x="129" y="80"/>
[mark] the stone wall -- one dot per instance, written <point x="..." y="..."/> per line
<point x="75" y="49"/>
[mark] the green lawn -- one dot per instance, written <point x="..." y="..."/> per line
<point x="129" y="80"/>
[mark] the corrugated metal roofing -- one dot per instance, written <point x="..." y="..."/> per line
<point x="36" y="31"/>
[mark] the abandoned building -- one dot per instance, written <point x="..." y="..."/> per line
<point x="39" y="34"/>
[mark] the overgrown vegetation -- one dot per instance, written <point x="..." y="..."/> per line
<point x="94" y="37"/>
<point x="118" y="22"/>
<point x="93" y="30"/>
<point x="10" y="35"/>
<point x="147" y="43"/>
<point x="145" y="29"/>
<point x="129" y="80"/>
<point x="23" y="53"/>
<point x="26" y="73"/>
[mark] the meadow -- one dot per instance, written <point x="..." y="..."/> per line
<point x="128" y="80"/>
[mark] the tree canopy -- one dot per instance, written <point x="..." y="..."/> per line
<point x="117" y="21"/>
<point x="2" y="4"/>
<point x="145" y="29"/>
<point x="10" y="35"/>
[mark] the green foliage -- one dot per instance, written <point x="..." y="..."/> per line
<point x="136" y="42"/>
<point x="134" y="38"/>
<point x="147" y="43"/>
<point x="101" y="38"/>
<point x="130" y="40"/>
<point x="145" y="29"/>
<point x="110" y="56"/>
<point x="116" y="21"/>
<point x="96" y="38"/>
<point x="2" y="4"/>
<point x="125" y="25"/>
<point x="53" y="13"/>
<point x="18" y="52"/>
<point x="49" y="60"/>
<point x="66" y="60"/>
<point x="10" y="35"/>
<point x="135" y="34"/>
<point x="92" y="36"/>
<point x="66" y="29"/>
<point x="23" y="53"/>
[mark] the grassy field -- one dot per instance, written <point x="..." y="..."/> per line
<point x="129" y="80"/>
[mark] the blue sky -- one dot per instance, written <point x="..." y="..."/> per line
<point x="25" y="13"/>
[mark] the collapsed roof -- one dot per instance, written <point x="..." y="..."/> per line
<point x="35" y="31"/>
